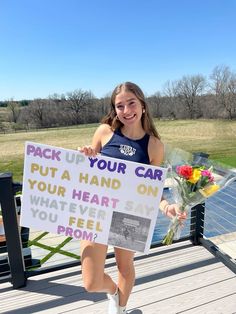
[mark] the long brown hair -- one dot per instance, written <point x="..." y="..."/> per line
<point x="146" y="120"/>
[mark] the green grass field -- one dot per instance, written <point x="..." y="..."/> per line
<point x="215" y="137"/>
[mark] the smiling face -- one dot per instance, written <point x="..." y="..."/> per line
<point x="128" y="108"/>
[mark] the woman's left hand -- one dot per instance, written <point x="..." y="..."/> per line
<point x="88" y="151"/>
<point x="173" y="210"/>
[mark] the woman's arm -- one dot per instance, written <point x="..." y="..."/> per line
<point x="155" y="151"/>
<point x="156" y="156"/>
<point x="100" y="137"/>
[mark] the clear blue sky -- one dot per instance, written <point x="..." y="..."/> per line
<point x="56" y="46"/>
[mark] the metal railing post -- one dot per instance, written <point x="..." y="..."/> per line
<point x="197" y="223"/>
<point x="198" y="211"/>
<point x="13" y="241"/>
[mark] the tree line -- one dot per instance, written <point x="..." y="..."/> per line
<point x="189" y="97"/>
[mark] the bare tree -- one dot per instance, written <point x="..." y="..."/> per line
<point x="170" y="93"/>
<point x="189" y="89"/>
<point x="223" y="84"/>
<point x="58" y="116"/>
<point x="155" y="103"/>
<point x="26" y="117"/>
<point x="232" y="96"/>
<point x="14" y="108"/>
<point x="170" y="89"/>
<point x="76" y="103"/>
<point x="37" y="112"/>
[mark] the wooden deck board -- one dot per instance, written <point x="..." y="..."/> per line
<point x="178" y="279"/>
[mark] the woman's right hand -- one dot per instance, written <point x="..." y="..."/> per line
<point x="88" y="151"/>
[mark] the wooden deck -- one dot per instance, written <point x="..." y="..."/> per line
<point x="181" y="278"/>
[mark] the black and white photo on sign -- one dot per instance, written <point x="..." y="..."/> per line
<point x="129" y="231"/>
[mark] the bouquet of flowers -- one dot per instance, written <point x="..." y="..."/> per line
<point x="192" y="183"/>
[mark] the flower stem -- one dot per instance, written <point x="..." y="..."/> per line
<point x="168" y="239"/>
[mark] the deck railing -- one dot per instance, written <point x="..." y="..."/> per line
<point x="17" y="264"/>
<point x="10" y="223"/>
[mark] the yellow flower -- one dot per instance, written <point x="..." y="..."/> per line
<point x="209" y="190"/>
<point x="195" y="176"/>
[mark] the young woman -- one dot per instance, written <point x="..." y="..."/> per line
<point x="127" y="132"/>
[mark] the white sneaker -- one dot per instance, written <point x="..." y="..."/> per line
<point x="114" y="303"/>
<point x="122" y="310"/>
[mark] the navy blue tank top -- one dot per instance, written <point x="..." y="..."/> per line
<point x="122" y="147"/>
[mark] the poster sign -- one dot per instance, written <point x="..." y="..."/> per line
<point x="101" y="199"/>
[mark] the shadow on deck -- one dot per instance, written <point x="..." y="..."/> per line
<point x="182" y="278"/>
